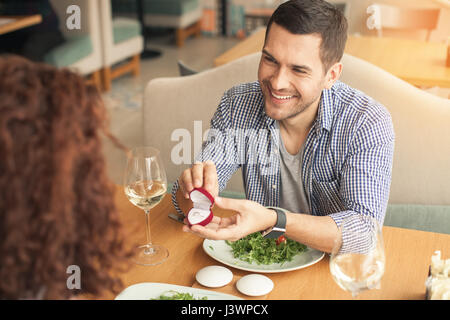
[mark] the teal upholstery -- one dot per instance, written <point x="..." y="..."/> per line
<point x="71" y="51"/>
<point x="432" y="218"/>
<point x="124" y="29"/>
<point x="162" y="7"/>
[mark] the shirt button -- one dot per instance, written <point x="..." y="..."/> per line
<point x="274" y="186"/>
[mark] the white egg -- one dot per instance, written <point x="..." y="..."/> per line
<point x="214" y="276"/>
<point x="254" y="285"/>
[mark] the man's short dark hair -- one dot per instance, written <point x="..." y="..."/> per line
<point x="314" y="16"/>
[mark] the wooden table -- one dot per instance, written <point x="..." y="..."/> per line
<point x="19" y="22"/>
<point x="417" y="62"/>
<point x="408" y="256"/>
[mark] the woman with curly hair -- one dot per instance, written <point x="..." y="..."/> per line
<point x="56" y="202"/>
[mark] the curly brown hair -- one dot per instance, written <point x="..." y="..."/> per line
<point x="56" y="202"/>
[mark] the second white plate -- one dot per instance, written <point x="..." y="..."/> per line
<point x="152" y="290"/>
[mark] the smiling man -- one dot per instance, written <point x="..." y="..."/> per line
<point x="305" y="141"/>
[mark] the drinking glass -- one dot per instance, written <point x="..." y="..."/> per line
<point x="357" y="260"/>
<point x="145" y="185"/>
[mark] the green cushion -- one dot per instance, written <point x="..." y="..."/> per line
<point x="431" y="218"/>
<point x="163" y="7"/>
<point x="124" y="29"/>
<point x="71" y="51"/>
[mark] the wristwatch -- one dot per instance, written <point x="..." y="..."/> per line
<point x="279" y="228"/>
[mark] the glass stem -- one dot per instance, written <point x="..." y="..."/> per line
<point x="148" y="249"/>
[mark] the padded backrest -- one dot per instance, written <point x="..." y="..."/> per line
<point x="114" y="51"/>
<point x="407" y="19"/>
<point x="421" y="170"/>
<point x="89" y="26"/>
<point x="88" y="16"/>
<point x="178" y="110"/>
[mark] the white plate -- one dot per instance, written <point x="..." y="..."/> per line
<point x="153" y="290"/>
<point x="219" y="250"/>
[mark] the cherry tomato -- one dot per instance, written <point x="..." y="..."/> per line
<point x="281" y="239"/>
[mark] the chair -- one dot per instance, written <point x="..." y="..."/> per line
<point x="182" y="15"/>
<point x="184" y="69"/>
<point x="402" y="21"/>
<point x="421" y="174"/>
<point x="82" y="49"/>
<point x="122" y="40"/>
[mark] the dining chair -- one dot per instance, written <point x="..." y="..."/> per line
<point x="394" y="20"/>
<point x="81" y="50"/>
<point x="122" y="43"/>
<point x="183" y="16"/>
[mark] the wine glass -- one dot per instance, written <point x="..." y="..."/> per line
<point x="145" y="185"/>
<point x="357" y="260"/>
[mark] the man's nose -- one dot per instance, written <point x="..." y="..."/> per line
<point x="280" y="79"/>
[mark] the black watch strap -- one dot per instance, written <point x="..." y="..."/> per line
<point x="280" y="226"/>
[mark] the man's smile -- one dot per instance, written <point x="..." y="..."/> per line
<point x="279" y="98"/>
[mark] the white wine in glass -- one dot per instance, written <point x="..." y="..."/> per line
<point x="145" y="185"/>
<point x="357" y="261"/>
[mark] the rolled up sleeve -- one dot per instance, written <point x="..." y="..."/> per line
<point x="366" y="175"/>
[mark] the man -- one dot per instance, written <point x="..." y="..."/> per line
<point x="329" y="149"/>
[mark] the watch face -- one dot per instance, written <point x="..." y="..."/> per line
<point x="272" y="233"/>
<point x="266" y="232"/>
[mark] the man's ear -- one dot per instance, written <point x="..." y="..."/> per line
<point x="333" y="74"/>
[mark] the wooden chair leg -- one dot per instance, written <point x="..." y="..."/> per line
<point x="198" y="30"/>
<point x="136" y="61"/>
<point x="180" y="37"/>
<point x="94" y="79"/>
<point x="106" y="78"/>
<point x="181" y="34"/>
<point x="97" y="78"/>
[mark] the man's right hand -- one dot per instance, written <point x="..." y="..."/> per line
<point x="201" y="174"/>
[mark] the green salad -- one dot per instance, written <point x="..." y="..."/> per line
<point x="256" y="248"/>
<point x="175" y="295"/>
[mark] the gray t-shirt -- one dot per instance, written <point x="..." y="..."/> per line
<point x="293" y="196"/>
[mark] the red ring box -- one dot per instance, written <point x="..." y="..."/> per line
<point x="201" y="212"/>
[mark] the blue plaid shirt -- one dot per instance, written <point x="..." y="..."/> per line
<point x="347" y="160"/>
